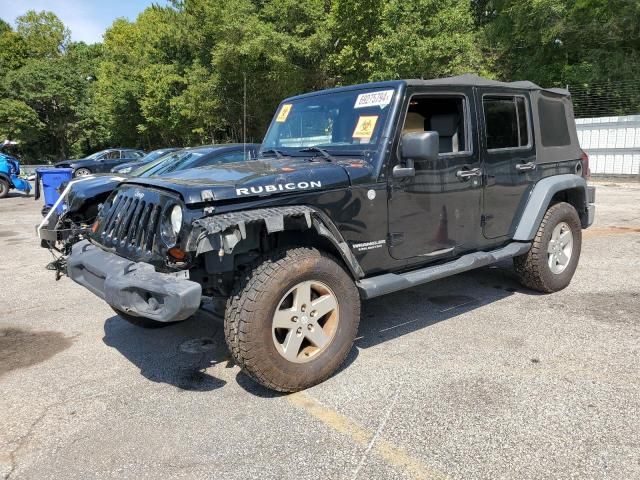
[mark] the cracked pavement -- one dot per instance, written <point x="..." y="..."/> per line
<point x="468" y="377"/>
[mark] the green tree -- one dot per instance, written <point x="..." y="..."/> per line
<point x="354" y="25"/>
<point x="46" y="87"/>
<point x="43" y="32"/>
<point x="13" y="51"/>
<point x="51" y="88"/>
<point x="19" y="122"/>
<point x="590" y="44"/>
<point x="426" y="39"/>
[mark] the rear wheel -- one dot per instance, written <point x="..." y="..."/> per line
<point x="292" y="319"/>
<point x="141" y="322"/>
<point x="82" y="172"/>
<point x="4" y="188"/>
<point x="550" y="264"/>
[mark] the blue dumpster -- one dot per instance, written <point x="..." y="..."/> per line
<point x="52" y="179"/>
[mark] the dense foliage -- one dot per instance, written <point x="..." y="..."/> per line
<point x="178" y="74"/>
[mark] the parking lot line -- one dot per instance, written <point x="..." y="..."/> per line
<point x="390" y="453"/>
<point x="604" y="231"/>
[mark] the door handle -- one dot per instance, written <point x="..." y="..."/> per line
<point x="523" y="167"/>
<point x="464" y="174"/>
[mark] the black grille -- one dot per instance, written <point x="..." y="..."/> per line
<point x="129" y="222"/>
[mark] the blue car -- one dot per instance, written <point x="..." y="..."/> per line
<point x="9" y="176"/>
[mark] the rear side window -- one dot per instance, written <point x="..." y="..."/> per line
<point x="553" y="123"/>
<point x="506" y="122"/>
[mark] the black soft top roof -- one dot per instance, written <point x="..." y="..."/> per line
<point x="477" y="81"/>
<point x="467" y="80"/>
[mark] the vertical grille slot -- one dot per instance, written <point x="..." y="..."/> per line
<point x="135" y="223"/>
<point x="153" y="224"/>
<point x="126" y="220"/>
<point x="142" y="225"/>
<point x="111" y="215"/>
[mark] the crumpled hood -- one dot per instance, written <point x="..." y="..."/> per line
<point x="87" y="188"/>
<point x="251" y="179"/>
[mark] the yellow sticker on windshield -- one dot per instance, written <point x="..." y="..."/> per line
<point x="365" y="126"/>
<point x="284" y="113"/>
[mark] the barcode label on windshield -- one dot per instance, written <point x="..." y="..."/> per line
<point x="374" y="99"/>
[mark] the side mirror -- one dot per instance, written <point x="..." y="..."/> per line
<point x="420" y="146"/>
<point x="417" y="146"/>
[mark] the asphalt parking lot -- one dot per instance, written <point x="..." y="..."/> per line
<point x="469" y="377"/>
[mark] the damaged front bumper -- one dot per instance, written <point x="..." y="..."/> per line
<point x="134" y="288"/>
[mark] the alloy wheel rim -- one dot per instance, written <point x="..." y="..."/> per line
<point x="305" y="321"/>
<point x="82" y="172"/>
<point x="560" y="248"/>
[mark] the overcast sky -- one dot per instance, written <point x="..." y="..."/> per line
<point x="87" y="19"/>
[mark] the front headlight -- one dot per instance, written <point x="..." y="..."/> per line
<point x="171" y="225"/>
<point x="176" y="219"/>
<point x="125" y="170"/>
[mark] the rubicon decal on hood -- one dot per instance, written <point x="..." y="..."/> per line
<point x="280" y="187"/>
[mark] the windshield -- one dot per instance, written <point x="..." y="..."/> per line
<point x="351" y="121"/>
<point x="150" y="157"/>
<point x="179" y="160"/>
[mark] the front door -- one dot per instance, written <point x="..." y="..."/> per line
<point x="509" y="159"/>
<point x="437" y="213"/>
<point x="113" y="159"/>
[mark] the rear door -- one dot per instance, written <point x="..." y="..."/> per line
<point x="509" y="156"/>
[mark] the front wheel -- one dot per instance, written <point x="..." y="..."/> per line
<point x="292" y="319"/>
<point x="550" y="264"/>
<point x="81" y="172"/>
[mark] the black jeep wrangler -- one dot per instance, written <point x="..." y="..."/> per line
<point x="358" y="192"/>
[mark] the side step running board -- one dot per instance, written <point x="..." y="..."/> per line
<point x="392" y="282"/>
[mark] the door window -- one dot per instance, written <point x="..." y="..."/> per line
<point x="442" y="114"/>
<point x="553" y="123"/>
<point x="506" y="122"/>
<point x="114" y="154"/>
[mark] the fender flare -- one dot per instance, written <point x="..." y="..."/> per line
<point x="222" y="232"/>
<point x="540" y="199"/>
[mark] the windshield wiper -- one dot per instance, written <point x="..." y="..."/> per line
<point x="327" y="156"/>
<point x="277" y="153"/>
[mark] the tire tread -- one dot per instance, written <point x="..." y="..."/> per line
<point x="243" y="305"/>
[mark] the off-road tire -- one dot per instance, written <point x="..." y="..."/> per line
<point x="250" y="310"/>
<point x="4" y="188"/>
<point x="533" y="269"/>
<point x="141" y="322"/>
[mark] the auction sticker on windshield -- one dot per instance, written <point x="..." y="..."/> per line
<point x="365" y="126"/>
<point x="284" y="113"/>
<point x="374" y="99"/>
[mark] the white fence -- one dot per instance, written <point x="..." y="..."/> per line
<point x="613" y="144"/>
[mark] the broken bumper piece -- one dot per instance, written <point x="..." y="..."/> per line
<point x="133" y="288"/>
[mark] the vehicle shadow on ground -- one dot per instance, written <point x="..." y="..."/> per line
<point x="392" y="316"/>
<point x="180" y="354"/>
